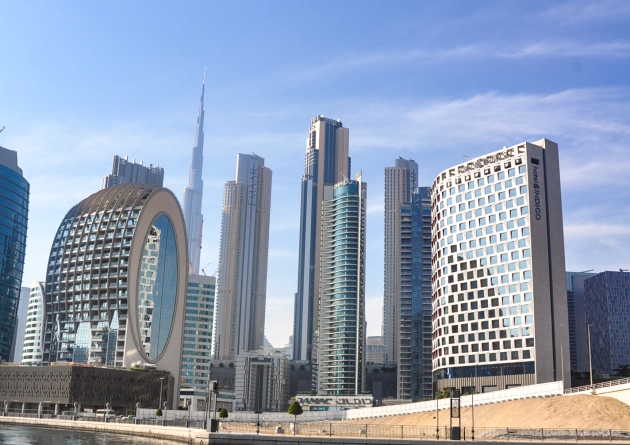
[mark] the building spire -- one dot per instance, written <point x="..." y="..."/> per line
<point x="194" y="192"/>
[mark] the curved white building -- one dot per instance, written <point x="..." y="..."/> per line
<point x="116" y="281"/>
<point x="499" y="286"/>
<point x="33" y="335"/>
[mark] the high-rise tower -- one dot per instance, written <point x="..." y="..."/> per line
<point x="341" y="349"/>
<point x="400" y="182"/>
<point x="242" y="283"/>
<point x="14" y="193"/>
<point x="194" y="192"/>
<point x="499" y="285"/>
<point x="327" y="163"/>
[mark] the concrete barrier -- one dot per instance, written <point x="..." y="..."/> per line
<point x="185" y="435"/>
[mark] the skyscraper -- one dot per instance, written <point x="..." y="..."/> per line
<point x="20" y="326"/>
<point x="578" y="337"/>
<point x="326" y="163"/>
<point x="116" y="281"/>
<point x="422" y="332"/>
<point x="341" y="349"/>
<point x="124" y="172"/>
<point x="400" y="182"/>
<point x="34" y="333"/>
<point x="198" y="326"/>
<point x="607" y="307"/>
<point x="14" y="191"/>
<point x="193" y="193"/>
<point x="242" y="282"/>
<point x="499" y="284"/>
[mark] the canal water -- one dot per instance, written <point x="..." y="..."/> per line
<point x="22" y="435"/>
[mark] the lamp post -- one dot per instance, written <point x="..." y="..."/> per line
<point x="590" y="359"/>
<point x="161" y="381"/>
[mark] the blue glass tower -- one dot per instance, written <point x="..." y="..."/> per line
<point x="340" y="359"/>
<point x="421" y="367"/>
<point x="14" y="193"/>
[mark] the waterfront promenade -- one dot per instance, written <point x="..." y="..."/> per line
<point x="245" y="434"/>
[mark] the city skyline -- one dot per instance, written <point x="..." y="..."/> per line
<point x="426" y="82"/>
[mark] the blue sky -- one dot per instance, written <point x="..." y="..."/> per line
<point x="433" y="81"/>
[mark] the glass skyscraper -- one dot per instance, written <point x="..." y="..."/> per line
<point x="421" y="370"/>
<point x="578" y="338"/>
<point x="607" y="307"/>
<point x="341" y="349"/>
<point x="14" y="196"/>
<point x="327" y="163"/>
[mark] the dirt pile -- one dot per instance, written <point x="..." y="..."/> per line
<point x="581" y="411"/>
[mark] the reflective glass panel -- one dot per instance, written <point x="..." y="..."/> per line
<point x="157" y="287"/>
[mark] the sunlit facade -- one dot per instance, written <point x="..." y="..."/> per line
<point x="499" y="285"/>
<point x="33" y="335"/>
<point x="116" y="281"/>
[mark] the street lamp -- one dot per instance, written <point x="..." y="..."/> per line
<point x="590" y="360"/>
<point x="161" y="381"/>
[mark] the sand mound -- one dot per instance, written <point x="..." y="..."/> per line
<point x="581" y="411"/>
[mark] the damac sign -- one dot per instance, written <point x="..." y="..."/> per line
<point x="536" y="193"/>
<point x="332" y="401"/>
<point x="482" y="162"/>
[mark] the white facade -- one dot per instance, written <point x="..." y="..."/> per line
<point x="198" y="327"/>
<point x="242" y="281"/>
<point x="33" y="336"/>
<point x="499" y="285"/>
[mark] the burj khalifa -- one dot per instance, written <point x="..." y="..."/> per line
<point x="194" y="192"/>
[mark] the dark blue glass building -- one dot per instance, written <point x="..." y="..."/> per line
<point x="421" y="367"/>
<point x="607" y="307"/>
<point x="14" y="192"/>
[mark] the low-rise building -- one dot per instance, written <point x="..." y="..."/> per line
<point x="262" y="381"/>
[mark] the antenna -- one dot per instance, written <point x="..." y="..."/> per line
<point x="586" y="271"/>
<point x="466" y="158"/>
<point x="2" y="129"/>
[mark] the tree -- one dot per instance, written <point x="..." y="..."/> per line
<point x="158" y="413"/>
<point x="295" y="410"/>
<point x="623" y="370"/>
<point x="443" y="394"/>
<point x="131" y="410"/>
<point x="223" y="413"/>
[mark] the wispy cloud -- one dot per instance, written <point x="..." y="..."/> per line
<point x="579" y="12"/>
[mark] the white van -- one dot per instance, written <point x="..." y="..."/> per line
<point x="105" y="413"/>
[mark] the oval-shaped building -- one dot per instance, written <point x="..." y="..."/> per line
<point x="116" y="281"/>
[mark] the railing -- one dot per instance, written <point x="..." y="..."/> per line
<point x="586" y="388"/>
<point x="344" y="429"/>
<point x="522" y="392"/>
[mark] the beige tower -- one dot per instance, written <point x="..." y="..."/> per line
<point x="242" y="288"/>
<point x="400" y="181"/>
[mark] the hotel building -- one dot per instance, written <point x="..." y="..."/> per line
<point x="116" y="282"/>
<point x="499" y="285"/>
